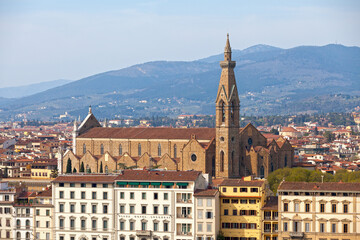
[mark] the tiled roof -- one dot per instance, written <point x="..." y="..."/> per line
<point x="206" y="192"/>
<point x="150" y="133"/>
<point x="271" y="204"/>
<point x="46" y="193"/>
<point x="159" y="175"/>
<point x="86" y="178"/>
<point x="326" y="186"/>
<point x="239" y="182"/>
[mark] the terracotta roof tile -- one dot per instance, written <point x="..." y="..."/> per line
<point x="239" y="182"/>
<point x="326" y="186"/>
<point x="271" y="204"/>
<point x="150" y="133"/>
<point x="206" y="192"/>
<point x="86" y="178"/>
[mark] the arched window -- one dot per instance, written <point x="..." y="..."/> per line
<point x="87" y="168"/>
<point x="18" y="236"/>
<point x="139" y="150"/>
<point x="175" y="151"/>
<point x="221" y="161"/>
<point x="120" y="149"/>
<point x="159" y="150"/>
<point x="102" y="149"/>
<point x="285" y="161"/>
<point x="106" y="169"/>
<point x="18" y="224"/>
<point x="27" y="223"/>
<point x="27" y="236"/>
<point x="84" y="148"/>
<point x="262" y="172"/>
<point x="222" y="112"/>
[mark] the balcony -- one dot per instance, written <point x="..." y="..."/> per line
<point x="296" y="234"/>
<point x="184" y="216"/>
<point x="183" y="200"/>
<point x="184" y="233"/>
<point x="143" y="233"/>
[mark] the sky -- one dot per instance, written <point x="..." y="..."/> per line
<point x="43" y="40"/>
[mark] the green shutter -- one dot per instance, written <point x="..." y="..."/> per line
<point x="182" y="184"/>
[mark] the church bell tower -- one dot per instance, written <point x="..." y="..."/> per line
<point x="227" y="162"/>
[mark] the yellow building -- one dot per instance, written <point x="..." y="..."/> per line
<point x="270" y="219"/>
<point x="240" y="208"/>
<point x="42" y="168"/>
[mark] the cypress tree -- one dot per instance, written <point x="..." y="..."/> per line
<point x="74" y="171"/>
<point x="101" y="168"/>
<point x="68" y="166"/>
<point x="82" y="169"/>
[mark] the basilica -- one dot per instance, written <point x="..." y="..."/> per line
<point x="226" y="151"/>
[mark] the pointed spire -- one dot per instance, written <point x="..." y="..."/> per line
<point x="75" y="125"/>
<point x="227" y="51"/>
<point x="90" y="112"/>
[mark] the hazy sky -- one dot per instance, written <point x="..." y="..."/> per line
<point x="67" y="39"/>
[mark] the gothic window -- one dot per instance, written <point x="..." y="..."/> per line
<point x="106" y="169"/>
<point x="87" y="168"/>
<point x="102" y="149"/>
<point x="84" y="148"/>
<point x="18" y="236"/>
<point x="175" y="151"/>
<point x="222" y="112"/>
<point x="221" y="161"/>
<point x="232" y="111"/>
<point x="159" y="150"/>
<point x="120" y="149"/>
<point x="285" y="161"/>
<point x="213" y="166"/>
<point x="272" y="167"/>
<point x="27" y="236"/>
<point x="262" y="172"/>
<point x="139" y="149"/>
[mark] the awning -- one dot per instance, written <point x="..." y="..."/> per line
<point x="168" y="184"/>
<point x="122" y="183"/>
<point x="144" y="183"/>
<point x="182" y="184"/>
<point x="156" y="183"/>
<point x="133" y="183"/>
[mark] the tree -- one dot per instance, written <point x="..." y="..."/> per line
<point x="68" y="166"/>
<point x="316" y="131"/>
<point x="101" y="168"/>
<point x="329" y="136"/>
<point x="220" y="236"/>
<point x="89" y="170"/>
<point x="54" y="173"/>
<point x="74" y="171"/>
<point x="274" y="131"/>
<point x="82" y="167"/>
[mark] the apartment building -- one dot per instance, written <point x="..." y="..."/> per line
<point x="158" y="205"/>
<point x="207" y="215"/>
<point x="319" y="211"/>
<point x="270" y="219"/>
<point x="23" y="221"/>
<point x="240" y="206"/>
<point x="7" y="196"/>
<point x="84" y="207"/>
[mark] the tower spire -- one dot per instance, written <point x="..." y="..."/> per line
<point x="90" y="111"/>
<point x="227" y="51"/>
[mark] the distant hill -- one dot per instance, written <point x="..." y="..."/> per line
<point x="270" y="81"/>
<point x="27" y="90"/>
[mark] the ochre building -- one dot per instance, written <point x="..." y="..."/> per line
<point x="224" y="151"/>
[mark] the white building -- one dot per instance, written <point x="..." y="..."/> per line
<point x="319" y="211"/>
<point x="7" y="196"/>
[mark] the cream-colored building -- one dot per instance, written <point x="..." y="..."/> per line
<point x="207" y="216"/>
<point x="319" y="211"/>
<point x="7" y="196"/>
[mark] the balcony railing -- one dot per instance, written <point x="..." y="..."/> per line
<point x="184" y="216"/>
<point x="184" y="233"/>
<point x="296" y="234"/>
<point x="183" y="200"/>
<point x="146" y="233"/>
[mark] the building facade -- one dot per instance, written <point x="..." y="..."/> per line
<point x="319" y="211"/>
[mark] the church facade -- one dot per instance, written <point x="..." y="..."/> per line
<point x="226" y="151"/>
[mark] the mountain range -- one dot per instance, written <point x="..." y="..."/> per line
<point x="305" y="79"/>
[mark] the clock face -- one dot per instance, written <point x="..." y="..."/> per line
<point x="250" y="141"/>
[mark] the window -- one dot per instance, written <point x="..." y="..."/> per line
<point x="93" y="224"/>
<point x="175" y="151"/>
<point x="105" y="195"/>
<point x="166" y="210"/>
<point x="93" y="208"/>
<point x="296" y="207"/>
<point x="156" y="226"/>
<point x="61" y="207"/>
<point x="159" y="150"/>
<point x="61" y="223"/>
<point x="143" y="226"/>
<point x="61" y="184"/>
<point x="322" y="227"/>
<point x="156" y="209"/>
<point x="83" y="208"/>
<point x="61" y="194"/>
<point x="94" y="185"/>
<point x="333" y="208"/>
<point x="222" y="164"/>
<point x="200" y="214"/>
<point x="254" y="190"/>
<point x="234" y="212"/>
<point x="166" y="226"/>
<point x="83" y="224"/>
<point x="285" y="226"/>
<point x="143" y="209"/>
<point x="333" y="228"/>
<point x="209" y="215"/>
<point x="102" y="149"/>
<point x="345" y="228"/>
<point x="47" y="224"/>
<point x="72" y="208"/>
<point x="93" y="195"/>
<point x="72" y="184"/>
<point x="72" y="223"/>
<point x="132" y="208"/>
<point x="120" y="149"/>
<point x="139" y="150"/>
<point x="82" y="195"/>
<point x="132" y="224"/>
<point x="208" y="227"/>
<point x="252" y="201"/>
<point x="200" y="202"/>
<point x="345" y="208"/>
<point x="226" y="200"/>
<point x="286" y="207"/>
<point x="243" y="201"/>
<point x="209" y="202"/>
<point x="132" y="195"/>
<point x="226" y="212"/>
<point x="307" y="227"/>
<point x="37" y="212"/>
<point x="234" y="189"/>
<point x="307" y="207"/>
<point x="105" y="224"/>
<point x="243" y="189"/>
<point x="143" y="195"/>
<point x="122" y="195"/>
<point x="322" y="207"/>
<point x="122" y="209"/>
<point x="105" y="208"/>
<point x="166" y="196"/>
<point x="155" y="196"/>
<point x="84" y="148"/>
